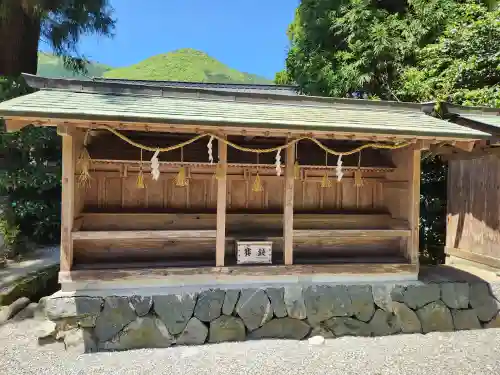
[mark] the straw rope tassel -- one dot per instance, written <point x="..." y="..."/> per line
<point x="140" y="176"/>
<point x="257" y="183"/>
<point x="358" y="180"/>
<point x="325" y="181"/>
<point x="296" y="166"/>
<point x="181" y="179"/>
<point x="84" y="161"/>
<point x="219" y="171"/>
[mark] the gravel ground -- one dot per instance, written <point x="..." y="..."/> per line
<point x="473" y="352"/>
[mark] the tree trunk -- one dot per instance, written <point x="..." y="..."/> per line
<point x="19" y="36"/>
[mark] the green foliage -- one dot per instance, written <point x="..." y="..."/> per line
<point x="282" y="78"/>
<point x="184" y="65"/>
<point x="432" y="209"/>
<point x="31" y="167"/>
<point x="59" y="23"/>
<point x="414" y="50"/>
<point x="9" y="232"/>
<point x="63" y="23"/>
<point x="50" y="65"/>
<point x="30" y="176"/>
<point x="339" y="47"/>
<point x="463" y="65"/>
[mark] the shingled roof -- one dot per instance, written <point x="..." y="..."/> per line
<point x="206" y="104"/>
<point x="488" y="117"/>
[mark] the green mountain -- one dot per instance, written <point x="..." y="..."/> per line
<point x="52" y="66"/>
<point x="184" y="65"/>
<point x="181" y="65"/>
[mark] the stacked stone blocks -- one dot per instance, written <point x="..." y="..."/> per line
<point x="291" y="312"/>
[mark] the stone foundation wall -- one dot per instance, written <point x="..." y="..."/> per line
<point x="124" y="322"/>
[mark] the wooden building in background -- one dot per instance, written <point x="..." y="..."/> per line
<point x="133" y="216"/>
<point x="473" y="220"/>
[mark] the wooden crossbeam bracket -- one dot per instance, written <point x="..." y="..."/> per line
<point x="67" y="130"/>
<point x="467" y="146"/>
<point x="15" y="125"/>
<point x="424" y="144"/>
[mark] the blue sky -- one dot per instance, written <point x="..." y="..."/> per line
<point x="248" y="35"/>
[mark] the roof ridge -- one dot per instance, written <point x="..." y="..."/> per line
<point x="123" y="88"/>
<point x="278" y="101"/>
<point x="195" y="83"/>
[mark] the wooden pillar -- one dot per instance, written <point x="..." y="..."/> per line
<point x="288" y="206"/>
<point x="220" y="242"/>
<point x="67" y="196"/>
<point x="414" y="204"/>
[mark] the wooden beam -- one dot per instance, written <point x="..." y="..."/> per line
<point x="473" y="257"/>
<point x="474" y="154"/>
<point x="143" y="234"/>
<point x="440" y="149"/>
<point x="15" y="125"/>
<point x="220" y="241"/>
<point x="398" y="185"/>
<point x="425" y="144"/>
<point x="68" y="130"/>
<point x="179" y="220"/>
<point x="67" y="200"/>
<point x="412" y="244"/>
<point x="228" y="273"/>
<point x="288" y="206"/>
<point x="228" y="130"/>
<point x="208" y="233"/>
<point x="357" y="233"/>
<point x="464" y="146"/>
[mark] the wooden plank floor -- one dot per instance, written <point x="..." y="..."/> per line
<point x="134" y="271"/>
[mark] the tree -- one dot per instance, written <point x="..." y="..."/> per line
<point x="462" y="66"/>
<point x="343" y="46"/>
<point x="412" y="50"/>
<point x="30" y="159"/>
<point x="282" y="78"/>
<point x="61" y="23"/>
<point x="339" y="47"/>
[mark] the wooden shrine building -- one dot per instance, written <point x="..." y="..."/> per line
<point x="473" y="220"/>
<point x="210" y="182"/>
